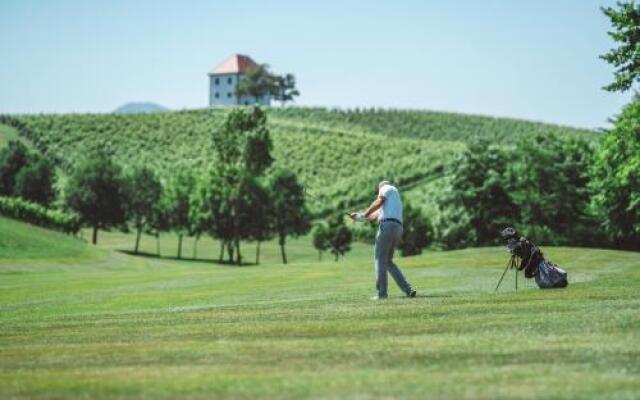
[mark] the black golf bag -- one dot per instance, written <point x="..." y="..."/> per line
<point x="547" y="274"/>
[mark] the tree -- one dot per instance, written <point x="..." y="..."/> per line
<point x="243" y="149"/>
<point x="417" y="233"/>
<point x="548" y="179"/>
<point x="478" y="196"/>
<point x="625" y="20"/>
<point x="12" y="159"/>
<point x="616" y="179"/>
<point x="291" y="217"/>
<point x="257" y="83"/>
<point x="285" y="88"/>
<point x="320" y="239"/>
<point x="96" y="193"/>
<point x="177" y="204"/>
<point x="339" y="236"/>
<point x="160" y="222"/>
<point x="143" y="194"/>
<point x="34" y="182"/>
<point x="209" y="209"/>
<point x="254" y="214"/>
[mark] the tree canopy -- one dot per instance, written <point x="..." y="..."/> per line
<point x="96" y="192"/>
<point x="625" y="58"/>
<point x="616" y="179"/>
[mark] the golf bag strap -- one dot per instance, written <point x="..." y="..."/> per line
<point x="533" y="253"/>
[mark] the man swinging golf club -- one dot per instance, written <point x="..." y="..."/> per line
<point x="387" y="210"/>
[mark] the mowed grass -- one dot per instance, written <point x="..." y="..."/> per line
<point x="97" y="323"/>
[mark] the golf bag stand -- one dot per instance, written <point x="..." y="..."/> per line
<point x="511" y="264"/>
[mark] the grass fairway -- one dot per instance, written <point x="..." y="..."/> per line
<point x="84" y="322"/>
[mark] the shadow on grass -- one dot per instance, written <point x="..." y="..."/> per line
<point x="432" y="296"/>
<point x="188" y="259"/>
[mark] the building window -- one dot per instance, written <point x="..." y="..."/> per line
<point x="229" y="80"/>
<point x="217" y="95"/>
<point x="246" y="103"/>
<point x="229" y="95"/>
<point x="217" y="81"/>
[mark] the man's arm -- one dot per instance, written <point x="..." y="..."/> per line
<point x="371" y="212"/>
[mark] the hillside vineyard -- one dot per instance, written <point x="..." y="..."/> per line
<point x="337" y="154"/>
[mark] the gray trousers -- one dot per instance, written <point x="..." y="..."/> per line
<point x="389" y="234"/>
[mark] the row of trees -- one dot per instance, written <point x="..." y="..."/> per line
<point x="259" y="81"/>
<point x="239" y="198"/>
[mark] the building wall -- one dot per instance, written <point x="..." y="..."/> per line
<point x="222" y="91"/>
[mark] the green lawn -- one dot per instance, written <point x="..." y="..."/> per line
<point x="84" y="322"/>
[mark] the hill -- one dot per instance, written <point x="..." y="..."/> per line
<point x="139" y="108"/>
<point x="129" y="327"/>
<point x="339" y="155"/>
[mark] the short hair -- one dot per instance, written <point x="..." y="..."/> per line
<point x="381" y="184"/>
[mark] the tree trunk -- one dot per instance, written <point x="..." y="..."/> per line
<point x="94" y="239"/>
<point x="319" y="255"/>
<point x="138" y="234"/>
<point x="284" y="255"/>
<point x="238" y="255"/>
<point x="230" y="251"/>
<point x="337" y="255"/>
<point x="221" y="256"/>
<point x="179" y="246"/>
<point x="258" y="252"/>
<point x="158" y="244"/>
<point x="195" y="247"/>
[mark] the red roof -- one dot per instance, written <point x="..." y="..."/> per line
<point x="236" y="64"/>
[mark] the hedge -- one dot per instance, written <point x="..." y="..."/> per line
<point x="36" y="214"/>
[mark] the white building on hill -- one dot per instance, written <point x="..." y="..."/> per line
<point x="225" y="77"/>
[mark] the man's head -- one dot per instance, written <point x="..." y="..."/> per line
<point x="381" y="184"/>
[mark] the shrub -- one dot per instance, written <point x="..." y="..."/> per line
<point x="37" y="214"/>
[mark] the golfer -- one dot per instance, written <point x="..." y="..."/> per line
<point x="387" y="210"/>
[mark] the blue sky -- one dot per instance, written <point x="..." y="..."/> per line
<point x="526" y="59"/>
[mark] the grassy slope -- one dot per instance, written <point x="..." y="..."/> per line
<point x="113" y="326"/>
<point x="23" y="241"/>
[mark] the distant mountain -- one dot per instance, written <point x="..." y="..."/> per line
<point x="139" y="108"/>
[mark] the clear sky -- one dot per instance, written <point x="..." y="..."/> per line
<point x="526" y="59"/>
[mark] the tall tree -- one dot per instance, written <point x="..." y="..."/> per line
<point x="258" y="82"/>
<point x="96" y="193"/>
<point x="210" y="208"/>
<point x="285" y="88"/>
<point x="616" y="179"/>
<point x="291" y="217"/>
<point x="616" y="170"/>
<point x="143" y="194"/>
<point x="243" y="149"/>
<point x="177" y="203"/>
<point x="625" y="20"/>
<point x="254" y="214"/>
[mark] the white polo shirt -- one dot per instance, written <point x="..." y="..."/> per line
<point x="392" y="207"/>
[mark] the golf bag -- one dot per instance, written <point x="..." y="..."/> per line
<point x="547" y="274"/>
